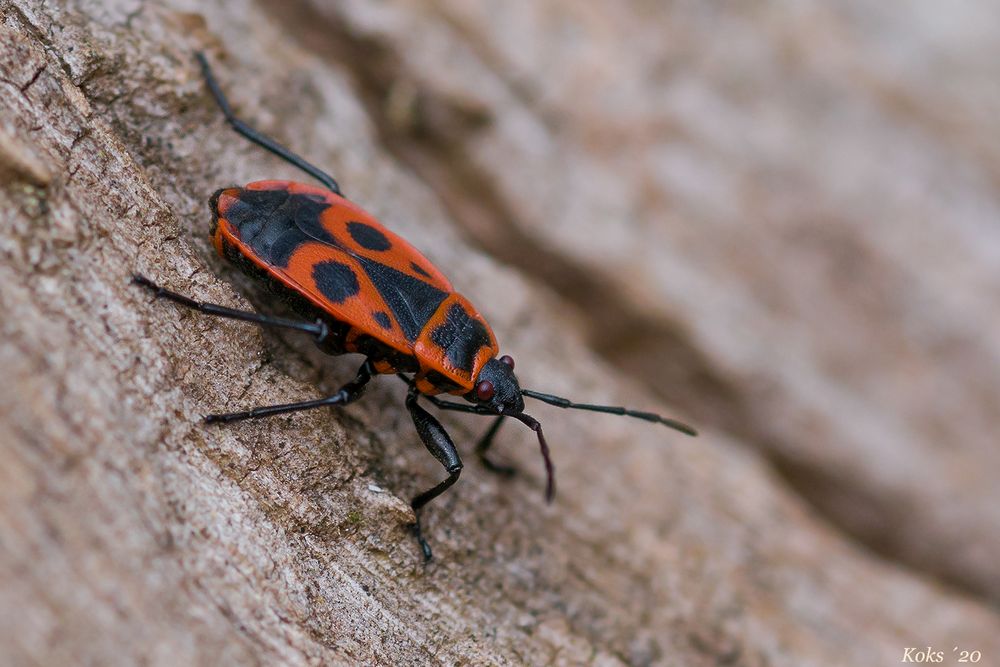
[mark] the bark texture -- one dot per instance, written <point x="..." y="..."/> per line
<point x="777" y="223"/>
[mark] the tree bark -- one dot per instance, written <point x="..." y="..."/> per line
<point x="587" y="176"/>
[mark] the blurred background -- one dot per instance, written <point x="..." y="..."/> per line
<point x="782" y="217"/>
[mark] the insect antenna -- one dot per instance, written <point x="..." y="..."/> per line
<point x="560" y="402"/>
<point x="550" y="471"/>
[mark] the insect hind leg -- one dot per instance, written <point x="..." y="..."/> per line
<point x="318" y="328"/>
<point x="257" y="137"/>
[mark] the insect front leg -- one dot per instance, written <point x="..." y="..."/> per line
<point x="486" y="441"/>
<point x="349" y="393"/>
<point x="438" y="443"/>
<point x="483" y="446"/>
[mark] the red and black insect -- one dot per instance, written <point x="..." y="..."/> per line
<point x="365" y="290"/>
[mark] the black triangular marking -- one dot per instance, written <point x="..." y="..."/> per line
<point x="411" y="301"/>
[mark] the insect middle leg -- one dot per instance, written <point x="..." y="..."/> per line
<point x="439" y="444"/>
<point x="349" y="393"/>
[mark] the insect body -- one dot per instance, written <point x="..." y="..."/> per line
<point x="379" y="296"/>
<point x="363" y="289"/>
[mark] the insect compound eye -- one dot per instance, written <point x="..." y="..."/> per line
<point x="508" y="361"/>
<point x="484" y="390"/>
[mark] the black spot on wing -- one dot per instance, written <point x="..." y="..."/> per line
<point x="460" y="336"/>
<point x="382" y="318"/>
<point x="411" y="301"/>
<point x="275" y="222"/>
<point x="336" y="281"/>
<point x="419" y="269"/>
<point x="368" y="237"/>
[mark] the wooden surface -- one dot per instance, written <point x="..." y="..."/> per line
<point x="778" y="225"/>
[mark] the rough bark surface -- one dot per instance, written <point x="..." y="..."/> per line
<point x="779" y="224"/>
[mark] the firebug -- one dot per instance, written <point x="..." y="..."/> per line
<point x="362" y="289"/>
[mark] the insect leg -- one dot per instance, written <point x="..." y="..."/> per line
<point x="317" y="328"/>
<point x="257" y="137"/>
<point x="459" y="407"/>
<point x="348" y="393"/>
<point x="483" y="446"/>
<point x="438" y="443"/>
<point x="486" y="441"/>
